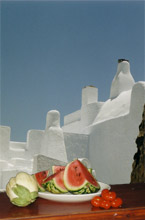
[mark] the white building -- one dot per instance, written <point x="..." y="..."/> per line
<point x="103" y="132"/>
<point x="112" y="126"/>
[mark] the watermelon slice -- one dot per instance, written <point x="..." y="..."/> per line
<point x="56" y="169"/>
<point x="40" y="177"/>
<point x="78" y="180"/>
<point x="54" y="183"/>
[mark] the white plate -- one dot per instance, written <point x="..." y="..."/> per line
<point x="71" y="197"/>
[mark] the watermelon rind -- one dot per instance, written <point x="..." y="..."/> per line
<point x="52" y="186"/>
<point x="40" y="179"/>
<point x="85" y="188"/>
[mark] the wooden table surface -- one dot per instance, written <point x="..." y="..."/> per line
<point x="133" y="207"/>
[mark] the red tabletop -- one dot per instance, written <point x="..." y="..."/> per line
<point x="133" y="207"/>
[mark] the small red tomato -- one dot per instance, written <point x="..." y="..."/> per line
<point x="104" y="191"/>
<point x="105" y="204"/>
<point x="110" y="196"/>
<point x="116" y="202"/>
<point x="96" y="201"/>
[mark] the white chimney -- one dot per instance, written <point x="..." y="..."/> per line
<point x="89" y="95"/>
<point x="123" y="79"/>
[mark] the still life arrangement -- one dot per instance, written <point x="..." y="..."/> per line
<point x="71" y="183"/>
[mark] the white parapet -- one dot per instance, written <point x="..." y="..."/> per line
<point x="89" y="113"/>
<point x="20" y="163"/>
<point x="73" y="117"/>
<point x="4" y="142"/>
<point x="114" y="108"/>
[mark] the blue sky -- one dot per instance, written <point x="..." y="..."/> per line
<point x="50" y="50"/>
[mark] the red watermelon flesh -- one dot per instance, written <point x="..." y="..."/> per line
<point x="50" y="178"/>
<point x="78" y="174"/>
<point x="57" y="168"/>
<point x="77" y="177"/>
